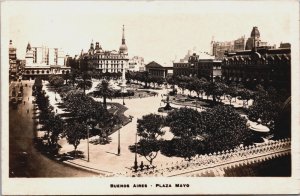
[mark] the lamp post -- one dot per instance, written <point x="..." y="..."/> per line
<point x="88" y="142"/>
<point x="88" y="147"/>
<point x="135" y="158"/>
<point x="123" y="85"/>
<point x="119" y="148"/>
<point x="123" y="98"/>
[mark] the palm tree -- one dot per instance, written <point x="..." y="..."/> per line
<point x="105" y="91"/>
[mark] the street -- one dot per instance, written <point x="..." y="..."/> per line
<point x="24" y="159"/>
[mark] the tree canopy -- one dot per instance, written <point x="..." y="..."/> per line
<point x="186" y="122"/>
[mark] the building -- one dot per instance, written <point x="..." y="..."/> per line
<point x="261" y="65"/>
<point x="43" y="61"/>
<point x="13" y="68"/>
<point x="183" y="67"/>
<point x="200" y="65"/>
<point x="208" y="67"/>
<point x="155" y="69"/>
<point x="106" y="61"/>
<point x="254" y="40"/>
<point x="240" y="44"/>
<point x="219" y="48"/>
<point x="136" y="64"/>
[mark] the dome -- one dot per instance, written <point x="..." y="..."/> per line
<point x="123" y="48"/>
<point x="255" y="32"/>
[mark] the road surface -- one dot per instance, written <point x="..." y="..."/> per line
<point x="24" y="159"/>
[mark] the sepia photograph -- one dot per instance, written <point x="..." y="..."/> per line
<point x="149" y="97"/>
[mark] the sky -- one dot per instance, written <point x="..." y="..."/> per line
<point x="156" y="30"/>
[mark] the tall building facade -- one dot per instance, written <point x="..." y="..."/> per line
<point x="13" y="69"/>
<point x="106" y="61"/>
<point x="42" y="61"/>
<point x="219" y="48"/>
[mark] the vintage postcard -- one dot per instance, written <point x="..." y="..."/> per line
<point x="149" y="97"/>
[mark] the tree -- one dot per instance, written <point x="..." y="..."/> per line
<point x="215" y="89"/>
<point x="225" y="129"/>
<point x="38" y="85"/>
<point x="185" y="122"/>
<point x="198" y="86"/>
<point x="266" y="107"/>
<point x="74" y="132"/>
<point x="231" y="92"/>
<point x="149" y="128"/>
<point x="245" y="94"/>
<point x="172" y="81"/>
<point x="157" y="80"/>
<point x="105" y="91"/>
<point x="85" y="83"/>
<point x="54" y="126"/>
<point x="105" y="120"/>
<point x="56" y="81"/>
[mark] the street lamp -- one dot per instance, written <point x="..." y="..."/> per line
<point x="123" y="98"/>
<point x="135" y="158"/>
<point x="88" y="142"/>
<point x="119" y="148"/>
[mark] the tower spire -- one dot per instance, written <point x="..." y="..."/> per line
<point x="123" y="35"/>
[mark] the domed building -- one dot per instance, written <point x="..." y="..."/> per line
<point x="254" y="40"/>
<point x="105" y="61"/>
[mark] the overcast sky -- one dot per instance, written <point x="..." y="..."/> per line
<point x="155" y="30"/>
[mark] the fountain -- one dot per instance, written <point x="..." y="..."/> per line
<point x="166" y="108"/>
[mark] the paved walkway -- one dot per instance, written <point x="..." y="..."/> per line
<point x="104" y="157"/>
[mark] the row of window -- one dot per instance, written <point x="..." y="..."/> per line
<point x="250" y="62"/>
<point x="106" y="57"/>
<point x="111" y="66"/>
<point x="43" y="72"/>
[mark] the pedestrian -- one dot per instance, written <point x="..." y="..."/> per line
<point x="27" y="111"/>
<point x="24" y="102"/>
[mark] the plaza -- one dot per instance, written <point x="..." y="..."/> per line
<point x="104" y="158"/>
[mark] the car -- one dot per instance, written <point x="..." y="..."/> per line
<point x="14" y="103"/>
